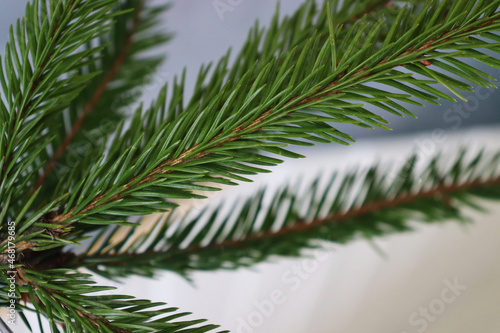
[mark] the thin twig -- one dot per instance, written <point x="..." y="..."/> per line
<point x="441" y="192"/>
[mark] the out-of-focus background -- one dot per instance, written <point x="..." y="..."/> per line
<point x="436" y="279"/>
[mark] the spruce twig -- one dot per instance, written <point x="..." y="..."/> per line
<point x="99" y="91"/>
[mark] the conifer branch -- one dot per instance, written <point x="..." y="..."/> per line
<point x="98" y="93"/>
<point x="97" y="321"/>
<point x="39" y="77"/>
<point x="68" y="299"/>
<point x="288" y="86"/>
<point x="441" y="193"/>
<point x="344" y="81"/>
<point x="126" y="64"/>
<point x="20" y="113"/>
<point x="368" y="204"/>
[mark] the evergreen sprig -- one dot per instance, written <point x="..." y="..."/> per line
<point x="290" y="33"/>
<point x="287" y="103"/>
<point x="40" y="76"/>
<point x="124" y="67"/>
<point x="363" y="203"/>
<point x="69" y="64"/>
<point x="69" y="299"/>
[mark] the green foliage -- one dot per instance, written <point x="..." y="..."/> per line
<point x="292" y="99"/>
<point x="125" y="65"/>
<point x="71" y="65"/>
<point x="68" y="297"/>
<point x="40" y="75"/>
<point x="362" y="203"/>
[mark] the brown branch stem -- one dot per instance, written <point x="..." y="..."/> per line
<point x="441" y="192"/>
